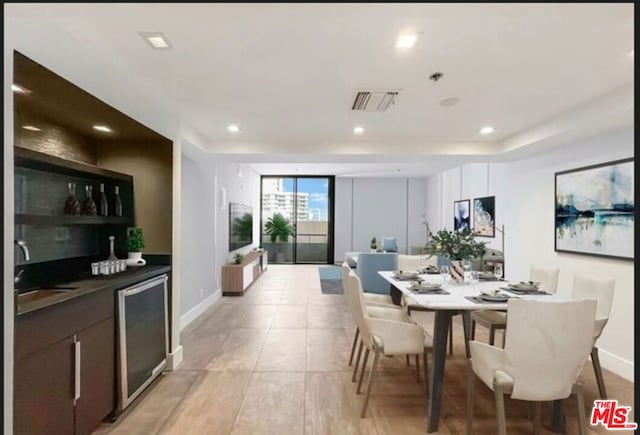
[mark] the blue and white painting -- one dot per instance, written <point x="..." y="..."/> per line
<point x="594" y="210"/>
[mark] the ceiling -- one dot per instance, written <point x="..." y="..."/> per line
<point x="287" y="73"/>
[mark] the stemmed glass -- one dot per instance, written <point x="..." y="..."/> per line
<point x="445" y="273"/>
<point x="497" y="271"/>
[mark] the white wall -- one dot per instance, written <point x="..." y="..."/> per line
<point x="198" y="233"/>
<point x="524" y="192"/>
<point x="368" y="207"/>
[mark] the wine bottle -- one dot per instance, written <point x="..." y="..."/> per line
<point x="71" y="205"/>
<point x="117" y="208"/>
<point x="104" y="206"/>
<point x="89" y="207"/>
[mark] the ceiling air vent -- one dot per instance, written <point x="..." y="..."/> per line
<point x="373" y="101"/>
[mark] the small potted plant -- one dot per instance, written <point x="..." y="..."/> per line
<point x="373" y="245"/>
<point x="135" y="244"/>
<point x="238" y="258"/>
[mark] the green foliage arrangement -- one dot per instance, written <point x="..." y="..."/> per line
<point x="374" y="243"/>
<point x="238" y="258"/>
<point x="135" y="240"/>
<point x="456" y="245"/>
<point x="278" y="228"/>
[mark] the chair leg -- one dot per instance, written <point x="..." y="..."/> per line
<point x="353" y="348"/>
<point x="492" y="335"/>
<point x="408" y="361"/>
<point x="473" y="330"/>
<point x="425" y="366"/>
<point x="470" y="381"/>
<point x="364" y="366"/>
<point x="537" y="418"/>
<point x="372" y="375"/>
<point x="417" y="368"/>
<point x="581" y="414"/>
<point x="500" y="417"/>
<point x="504" y="337"/>
<point x="355" y="367"/>
<point x="451" y="335"/>
<point x="595" y="361"/>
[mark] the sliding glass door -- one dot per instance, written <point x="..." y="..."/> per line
<point x="297" y="219"/>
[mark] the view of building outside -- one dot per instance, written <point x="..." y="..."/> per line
<point x="311" y="218"/>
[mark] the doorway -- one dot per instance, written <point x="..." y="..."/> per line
<point x="296" y="218"/>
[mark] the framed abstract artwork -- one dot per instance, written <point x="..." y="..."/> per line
<point x="484" y="216"/>
<point x="462" y="215"/>
<point x="594" y="210"/>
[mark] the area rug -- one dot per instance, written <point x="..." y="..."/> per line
<point x="331" y="280"/>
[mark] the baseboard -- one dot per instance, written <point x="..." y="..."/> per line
<point x="174" y="359"/>
<point x="617" y="365"/>
<point x="196" y="311"/>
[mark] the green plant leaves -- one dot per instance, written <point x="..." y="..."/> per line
<point x="278" y="227"/>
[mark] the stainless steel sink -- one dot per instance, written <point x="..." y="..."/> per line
<point x="36" y="295"/>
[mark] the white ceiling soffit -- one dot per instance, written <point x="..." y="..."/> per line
<point x="286" y="73"/>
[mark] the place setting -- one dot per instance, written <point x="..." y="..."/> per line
<point x="422" y="287"/>
<point x="406" y="275"/>
<point x="490" y="296"/>
<point x="525" y="288"/>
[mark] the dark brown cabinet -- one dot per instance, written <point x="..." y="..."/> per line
<point x="65" y="367"/>
<point x="43" y="393"/>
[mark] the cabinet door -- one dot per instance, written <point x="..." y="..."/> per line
<point x="97" y="376"/>
<point x="44" y="391"/>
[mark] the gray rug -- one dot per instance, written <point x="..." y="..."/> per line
<point x="331" y="286"/>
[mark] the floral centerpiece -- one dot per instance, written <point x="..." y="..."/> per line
<point x="456" y="246"/>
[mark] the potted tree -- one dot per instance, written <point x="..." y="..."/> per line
<point x="278" y="228"/>
<point x="135" y="244"/>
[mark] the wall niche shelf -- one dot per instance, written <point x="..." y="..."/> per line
<point x="38" y="219"/>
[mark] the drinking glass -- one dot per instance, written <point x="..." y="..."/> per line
<point x="445" y="273"/>
<point x="466" y="266"/>
<point x="497" y="271"/>
<point x="474" y="278"/>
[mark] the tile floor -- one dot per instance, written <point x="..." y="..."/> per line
<point x="275" y="361"/>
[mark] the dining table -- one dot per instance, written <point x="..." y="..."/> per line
<point x="455" y="299"/>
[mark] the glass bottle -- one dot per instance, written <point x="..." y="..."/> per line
<point x="89" y="207"/>
<point x="71" y="205"/>
<point x="117" y="208"/>
<point x="112" y="255"/>
<point x="104" y="206"/>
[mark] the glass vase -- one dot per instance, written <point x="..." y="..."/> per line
<point x="89" y="206"/>
<point x="72" y="205"/>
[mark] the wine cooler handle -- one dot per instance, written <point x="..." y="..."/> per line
<point x="78" y="361"/>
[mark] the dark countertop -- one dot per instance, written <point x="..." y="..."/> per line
<point x="89" y="285"/>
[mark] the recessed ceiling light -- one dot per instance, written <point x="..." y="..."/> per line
<point x="358" y="130"/>
<point x="156" y="40"/>
<point x="487" y="130"/>
<point x="19" y="89"/>
<point x="406" y="40"/>
<point x="31" y="128"/>
<point x="102" y="128"/>
<point x="233" y="128"/>
<point x="448" y="102"/>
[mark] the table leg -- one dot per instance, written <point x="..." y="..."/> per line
<point x="557" y="418"/>
<point x="466" y="327"/>
<point x="440" y="330"/>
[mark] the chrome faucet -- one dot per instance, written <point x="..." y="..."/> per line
<point x="23" y="247"/>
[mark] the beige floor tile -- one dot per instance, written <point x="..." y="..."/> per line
<point x="319" y="319"/>
<point x="290" y="316"/>
<point x="267" y="298"/>
<point x="283" y="350"/>
<point x="257" y="316"/>
<point x="239" y="351"/>
<point x="211" y="405"/>
<point x="273" y="404"/>
<point x="150" y="410"/>
<point x="327" y="349"/>
<point x="199" y="347"/>
<point x="332" y="406"/>
<point x="294" y="298"/>
<point x="225" y="316"/>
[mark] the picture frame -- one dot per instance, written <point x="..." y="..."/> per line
<point x="484" y="216"/>
<point x="594" y="210"/>
<point x="462" y="215"/>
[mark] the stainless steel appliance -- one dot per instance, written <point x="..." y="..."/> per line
<point x="143" y="341"/>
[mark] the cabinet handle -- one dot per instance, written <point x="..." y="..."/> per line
<point x="77" y="354"/>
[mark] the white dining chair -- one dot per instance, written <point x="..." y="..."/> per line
<point x="387" y="337"/>
<point x="601" y="290"/>
<point x="379" y="310"/>
<point x="371" y="299"/>
<point x="497" y="320"/>
<point x="538" y="363"/>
